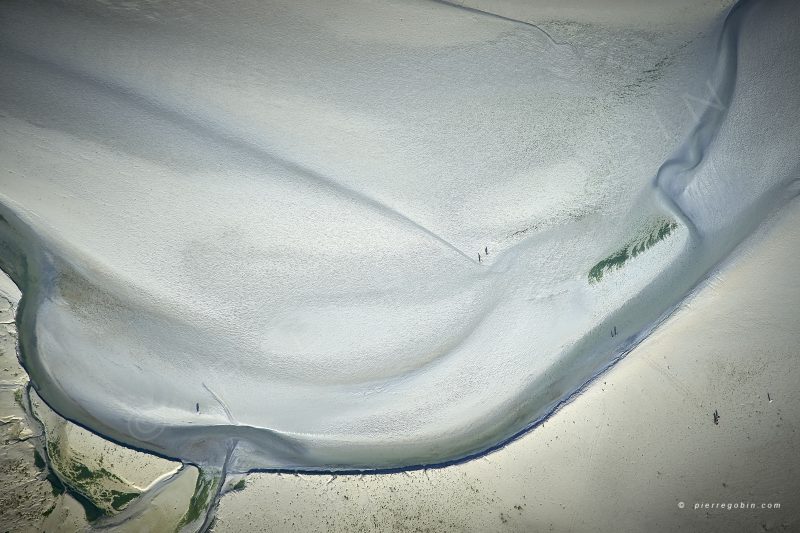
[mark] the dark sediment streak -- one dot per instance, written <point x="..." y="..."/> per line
<point x="26" y="259"/>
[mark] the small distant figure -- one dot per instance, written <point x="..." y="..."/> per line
<point x="769" y="398"/>
<point x="716" y="417"/>
<point x="486" y="250"/>
<point x="614" y="332"/>
<point x="197" y="407"/>
<point x="479" y="257"/>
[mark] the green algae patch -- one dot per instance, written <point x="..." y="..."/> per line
<point x="655" y="232"/>
<point x="101" y="492"/>
<point x="103" y="477"/>
<point x="201" y="499"/>
<point x="122" y="499"/>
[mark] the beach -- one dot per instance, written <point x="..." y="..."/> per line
<point x="628" y="451"/>
<point x="418" y="265"/>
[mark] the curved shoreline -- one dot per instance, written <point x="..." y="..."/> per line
<point x="34" y="293"/>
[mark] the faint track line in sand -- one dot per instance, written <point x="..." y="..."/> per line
<point x="590" y="460"/>
<point x="498" y="16"/>
<point x="677" y="384"/>
<point x="228" y="413"/>
<point x="227" y="138"/>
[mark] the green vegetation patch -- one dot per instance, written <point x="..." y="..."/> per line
<point x="659" y="230"/>
<point x="201" y="499"/>
<point x="91" y="511"/>
<point x="97" y="490"/>
<point x="121" y="499"/>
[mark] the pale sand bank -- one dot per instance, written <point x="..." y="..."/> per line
<point x="29" y="502"/>
<point x="235" y="271"/>
<point x="619" y="457"/>
<point x="623" y="454"/>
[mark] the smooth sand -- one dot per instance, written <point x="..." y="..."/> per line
<point x="623" y="454"/>
<point x="620" y="457"/>
<point x="295" y="221"/>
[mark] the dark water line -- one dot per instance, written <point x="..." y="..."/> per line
<point x="671" y="179"/>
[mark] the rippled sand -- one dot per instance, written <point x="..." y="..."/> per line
<point x="374" y="235"/>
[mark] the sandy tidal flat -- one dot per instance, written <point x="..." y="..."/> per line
<point x="372" y="235"/>
<point x="629" y="450"/>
